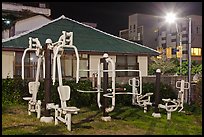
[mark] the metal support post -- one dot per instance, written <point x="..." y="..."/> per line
<point x="157" y="95"/>
<point x="105" y="85"/>
<point x="47" y="78"/>
<point x="189" y="62"/>
<point x="47" y="118"/>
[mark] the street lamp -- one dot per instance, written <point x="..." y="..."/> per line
<point x="171" y="18"/>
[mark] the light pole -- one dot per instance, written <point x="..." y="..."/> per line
<point x="180" y="45"/>
<point x="171" y="18"/>
<point x="189" y="60"/>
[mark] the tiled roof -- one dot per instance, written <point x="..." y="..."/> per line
<point x="86" y="38"/>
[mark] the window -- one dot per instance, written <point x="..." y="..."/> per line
<point x="138" y="36"/>
<point x="196" y="51"/>
<point x="163" y="45"/>
<point x="134" y="26"/>
<point x="68" y="63"/>
<point x="185" y="42"/>
<point x="173" y="40"/>
<point x="30" y="65"/>
<point x="140" y="33"/>
<point x="126" y="62"/>
<point x="174" y="33"/>
<point x="198" y="30"/>
<point x="163" y="38"/>
<point x="184" y="35"/>
<point x="83" y="65"/>
<point x="130" y="27"/>
<point x="160" y="50"/>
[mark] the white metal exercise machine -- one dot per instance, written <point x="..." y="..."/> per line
<point x="34" y="105"/>
<point x="137" y="97"/>
<point x="65" y="41"/>
<point x="172" y="105"/>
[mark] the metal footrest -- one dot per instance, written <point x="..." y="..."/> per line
<point x="27" y="98"/>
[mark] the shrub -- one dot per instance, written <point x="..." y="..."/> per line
<point x="198" y="94"/>
<point x="13" y="90"/>
<point x="165" y="91"/>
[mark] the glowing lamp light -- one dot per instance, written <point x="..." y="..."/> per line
<point x="170" y="17"/>
<point x="8" y="22"/>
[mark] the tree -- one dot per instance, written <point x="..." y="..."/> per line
<point x="172" y="66"/>
<point x="166" y="66"/>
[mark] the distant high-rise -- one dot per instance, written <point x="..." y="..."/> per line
<point x="154" y="32"/>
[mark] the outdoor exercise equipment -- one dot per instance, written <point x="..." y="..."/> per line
<point x="65" y="41"/>
<point x="137" y="97"/>
<point x="172" y="105"/>
<point x="34" y="105"/>
<point x="63" y="112"/>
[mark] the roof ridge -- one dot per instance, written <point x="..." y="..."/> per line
<point x="110" y="34"/>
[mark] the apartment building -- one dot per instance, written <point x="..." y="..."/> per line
<point x="152" y="31"/>
<point x="18" y="17"/>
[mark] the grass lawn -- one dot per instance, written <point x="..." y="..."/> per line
<point x="126" y="120"/>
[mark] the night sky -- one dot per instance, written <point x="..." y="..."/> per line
<point x="113" y="16"/>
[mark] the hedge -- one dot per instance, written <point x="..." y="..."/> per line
<point x="13" y="91"/>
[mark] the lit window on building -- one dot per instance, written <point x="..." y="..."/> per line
<point x="138" y="36"/>
<point x="196" y="51"/>
<point x="160" y="50"/>
<point x="169" y="52"/>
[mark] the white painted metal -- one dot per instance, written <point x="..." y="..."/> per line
<point x="34" y="45"/>
<point x="99" y="85"/>
<point x="137" y="97"/>
<point x="172" y="105"/>
<point x="33" y="104"/>
<point x="109" y="60"/>
<point x="65" y="40"/>
<point x="22" y="61"/>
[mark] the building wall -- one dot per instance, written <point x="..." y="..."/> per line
<point x="196" y="31"/>
<point x="132" y="30"/>
<point x="5" y="34"/>
<point x="142" y="60"/>
<point x="124" y="34"/>
<point x="7" y="64"/>
<point x="19" y="7"/>
<point x="25" y="25"/>
<point x="149" y="24"/>
<point x="143" y="65"/>
<point x="30" y="23"/>
<point x="142" y="29"/>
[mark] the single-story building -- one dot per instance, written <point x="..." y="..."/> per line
<point x="90" y="42"/>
